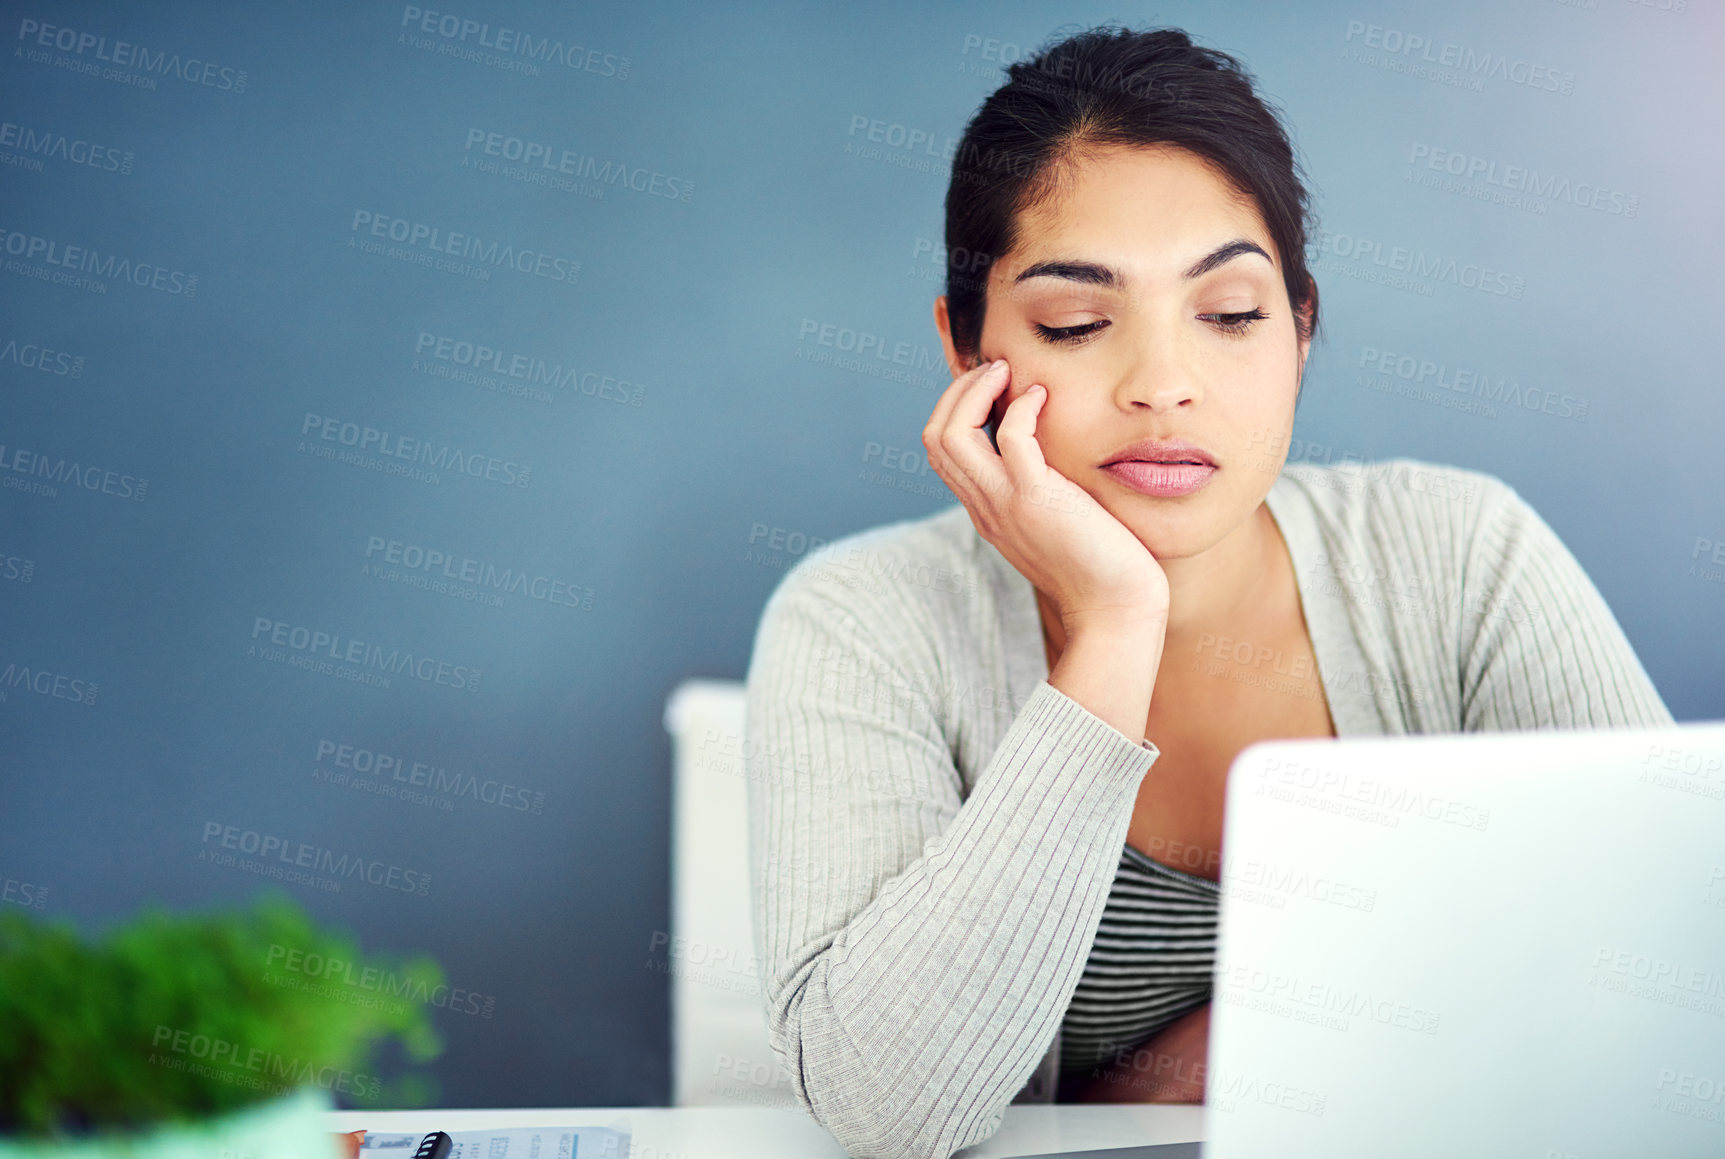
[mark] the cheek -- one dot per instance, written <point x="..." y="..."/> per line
<point x="1261" y="414"/>
<point x="1269" y="376"/>
<point x="1064" y="427"/>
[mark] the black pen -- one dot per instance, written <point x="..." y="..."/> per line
<point x="434" y="1146"/>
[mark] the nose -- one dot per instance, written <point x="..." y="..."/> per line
<point x="1161" y="374"/>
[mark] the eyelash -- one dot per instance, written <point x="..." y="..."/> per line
<point x="1068" y="334"/>
<point x="1237" y="324"/>
<point x="1232" y="324"/>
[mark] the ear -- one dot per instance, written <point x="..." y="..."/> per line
<point x="955" y="362"/>
<point x="1307" y="313"/>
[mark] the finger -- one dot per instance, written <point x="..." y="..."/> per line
<point x="963" y="438"/>
<point x="1016" y="435"/>
<point x="972" y="404"/>
<point x="942" y="412"/>
<point x="1018" y="465"/>
<point x="972" y="456"/>
<point x="942" y="415"/>
<point x="955" y="433"/>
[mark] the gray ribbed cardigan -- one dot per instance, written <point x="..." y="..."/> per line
<point x="934" y="828"/>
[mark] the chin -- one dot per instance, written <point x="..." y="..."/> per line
<point x="1181" y="528"/>
<point x="1174" y="538"/>
<point x="1166" y="547"/>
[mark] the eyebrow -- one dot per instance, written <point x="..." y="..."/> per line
<point x="1223" y="254"/>
<point x="1095" y="274"/>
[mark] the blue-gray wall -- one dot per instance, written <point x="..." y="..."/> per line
<point x="190" y="200"/>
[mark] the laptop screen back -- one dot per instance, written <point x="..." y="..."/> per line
<point x="1501" y="944"/>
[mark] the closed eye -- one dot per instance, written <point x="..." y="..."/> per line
<point x="1235" y="323"/>
<point x="1232" y="323"/>
<point x="1070" y="334"/>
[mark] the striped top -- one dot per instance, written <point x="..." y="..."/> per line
<point x="1151" y="961"/>
<point x="935" y="831"/>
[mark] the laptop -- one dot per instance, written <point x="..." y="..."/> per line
<point x="1482" y="944"/>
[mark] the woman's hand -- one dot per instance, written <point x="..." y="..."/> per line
<point x="1169" y="1068"/>
<point x="1082" y="559"/>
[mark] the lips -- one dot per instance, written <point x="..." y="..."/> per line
<point x="1161" y="480"/>
<point x="1169" y="451"/>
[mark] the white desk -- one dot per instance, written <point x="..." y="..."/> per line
<point x="764" y="1133"/>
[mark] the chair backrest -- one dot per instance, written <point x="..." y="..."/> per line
<point x="720" y="1052"/>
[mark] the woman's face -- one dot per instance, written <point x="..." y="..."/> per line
<point x="1147" y="297"/>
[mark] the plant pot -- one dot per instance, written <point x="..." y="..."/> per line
<point x="294" y="1126"/>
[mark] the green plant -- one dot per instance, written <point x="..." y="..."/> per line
<point x="174" y="1017"/>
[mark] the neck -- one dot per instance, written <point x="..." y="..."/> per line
<point x="1214" y="591"/>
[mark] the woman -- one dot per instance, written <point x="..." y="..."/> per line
<point x="988" y="747"/>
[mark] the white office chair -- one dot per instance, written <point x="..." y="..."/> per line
<point x="718" y="1018"/>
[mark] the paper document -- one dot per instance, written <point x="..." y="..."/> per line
<point x="515" y="1143"/>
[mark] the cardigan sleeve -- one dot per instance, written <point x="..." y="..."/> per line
<point x="1539" y="646"/>
<point x="917" y="948"/>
